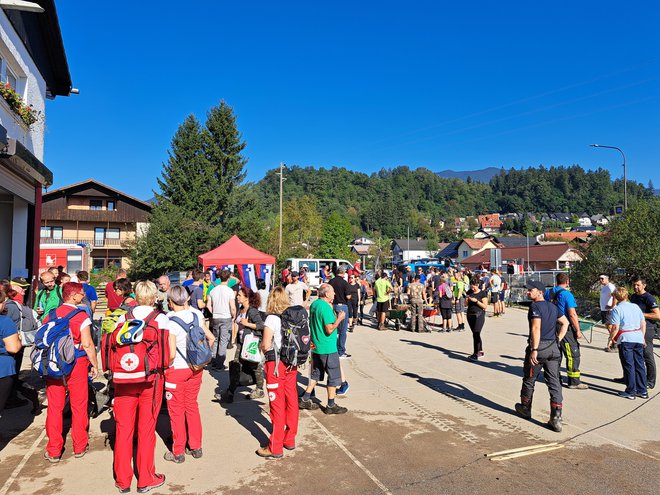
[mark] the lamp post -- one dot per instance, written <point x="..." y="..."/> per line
<point x="281" y="174"/>
<point x="625" y="180"/>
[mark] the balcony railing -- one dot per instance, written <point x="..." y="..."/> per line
<point x="98" y="243"/>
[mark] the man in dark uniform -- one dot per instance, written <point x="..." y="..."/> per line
<point x="342" y="296"/>
<point x="649" y="307"/>
<point x="543" y="353"/>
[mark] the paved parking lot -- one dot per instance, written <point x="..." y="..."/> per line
<point x="421" y="420"/>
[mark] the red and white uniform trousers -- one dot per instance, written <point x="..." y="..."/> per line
<point x="181" y="391"/>
<point x="283" y="397"/>
<point x="76" y="385"/>
<point x="141" y="401"/>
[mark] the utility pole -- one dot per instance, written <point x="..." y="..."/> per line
<point x="279" y="250"/>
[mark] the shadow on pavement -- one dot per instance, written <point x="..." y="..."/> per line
<point x="248" y="413"/>
<point x="458" y="391"/>
<point x="494" y="365"/>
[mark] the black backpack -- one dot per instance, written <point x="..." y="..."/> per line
<point x="296" y="339"/>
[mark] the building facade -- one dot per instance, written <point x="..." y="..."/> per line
<point x="33" y="68"/>
<point x="94" y="218"/>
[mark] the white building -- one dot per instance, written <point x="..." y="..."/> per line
<point x="33" y="68"/>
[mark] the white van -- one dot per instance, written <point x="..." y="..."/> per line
<point x="314" y="267"/>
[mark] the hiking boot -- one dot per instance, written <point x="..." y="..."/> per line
<point x="257" y="393"/>
<point x="52" y="460"/>
<point x="81" y="454"/>
<point x="579" y="386"/>
<point x="160" y="481"/>
<point x="196" y="453"/>
<point x="178" y="459"/>
<point x="226" y="397"/>
<point x="265" y="452"/>
<point x="555" y="419"/>
<point x="336" y="409"/>
<point x="307" y="404"/>
<point x="524" y="409"/>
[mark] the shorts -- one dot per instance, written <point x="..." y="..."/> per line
<point x="446" y="313"/>
<point x="502" y="296"/>
<point x="326" y="364"/>
<point x="459" y="305"/>
<point x="383" y="307"/>
<point x="605" y="317"/>
<point x="494" y="297"/>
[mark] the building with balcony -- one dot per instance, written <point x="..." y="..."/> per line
<point x="90" y="226"/>
<point x="33" y="69"/>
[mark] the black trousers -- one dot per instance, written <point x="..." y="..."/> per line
<point x="649" y="358"/>
<point x="476" y="322"/>
<point x="570" y="348"/>
<point x="549" y="358"/>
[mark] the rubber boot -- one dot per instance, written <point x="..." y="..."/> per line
<point x="524" y="408"/>
<point x="555" y="418"/>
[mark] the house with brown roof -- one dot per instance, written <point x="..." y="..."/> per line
<point x="470" y="247"/>
<point x="539" y="257"/>
<point x="578" y="236"/>
<point x="490" y="223"/>
<point x="101" y="220"/>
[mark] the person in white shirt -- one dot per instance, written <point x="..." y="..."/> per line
<point x="495" y="283"/>
<point x="221" y="303"/>
<point x="182" y="383"/>
<point x="607" y="302"/>
<point x="297" y="291"/>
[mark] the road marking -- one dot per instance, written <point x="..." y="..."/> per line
<point x="355" y="460"/>
<point x="16" y="472"/>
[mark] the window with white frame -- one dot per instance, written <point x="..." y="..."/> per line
<point x="9" y="75"/>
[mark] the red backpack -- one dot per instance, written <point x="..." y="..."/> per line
<point x="137" y="351"/>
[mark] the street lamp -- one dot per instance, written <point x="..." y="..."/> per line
<point x="625" y="181"/>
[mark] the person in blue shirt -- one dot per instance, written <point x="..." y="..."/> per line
<point x="9" y="344"/>
<point x="570" y="347"/>
<point x="91" y="297"/>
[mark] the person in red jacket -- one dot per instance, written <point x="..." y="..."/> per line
<point x="76" y="383"/>
<point x="114" y="300"/>
<point x="141" y="401"/>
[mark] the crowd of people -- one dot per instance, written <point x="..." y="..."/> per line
<point x="226" y="314"/>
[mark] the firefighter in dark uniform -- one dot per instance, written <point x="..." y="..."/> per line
<point x="649" y="307"/>
<point x="546" y="328"/>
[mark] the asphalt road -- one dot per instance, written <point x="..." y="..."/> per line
<point x="421" y="420"/>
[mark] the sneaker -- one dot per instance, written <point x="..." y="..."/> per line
<point x="289" y="447"/>
<point x="473" y="357"/>
<point x="619" y="380"/>
<point x="196" y="453"/>
<point x="265" y="452"/>
<point x="643" y="396"/>
<point x="226" y="396"/>
<point x="307" y="404"/>
<point x="81" y="454"/>
<point x="579" y="386"/>
<point x="650" y="386"/>
<point x="336" y="409"/>
<point x="160" y="481"/>
<point x="52" y="460"/>
<point x="343" y="389"/>
<point x="344" y="356"/>
<point x="178" y="459"/>
<point x="626" y="395"/>
<point x="123" y="490"/>
<point x="256" y="394"/>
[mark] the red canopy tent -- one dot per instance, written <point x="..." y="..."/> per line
<point x="235" y="252"/>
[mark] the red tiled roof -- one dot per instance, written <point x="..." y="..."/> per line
<point x="476" y="243"/>
<point x="537" y="254"/>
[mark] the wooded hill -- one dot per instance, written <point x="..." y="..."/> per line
<point x="391" y="200"/>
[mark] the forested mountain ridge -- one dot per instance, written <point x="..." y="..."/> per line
<point x="390" y="200"/>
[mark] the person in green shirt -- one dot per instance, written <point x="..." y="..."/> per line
<point x="48" y="298"/>
<point x="382" y="288"/>
<point x="325" y="358"/>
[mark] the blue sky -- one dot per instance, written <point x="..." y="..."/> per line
<point x="361" y="85"/>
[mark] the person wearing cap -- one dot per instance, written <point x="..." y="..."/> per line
<point x="543" y="353"/>
<point x="570" y="347"/>
<point x="20" y="285"/>
<point x="76" y="383"/>
<point x="297" y="291"/>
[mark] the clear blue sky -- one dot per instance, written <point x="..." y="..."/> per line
<point x="361" y="85"/>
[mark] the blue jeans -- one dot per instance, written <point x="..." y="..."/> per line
<point x="634" y="370"/>
<point x="341" y="330"/>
